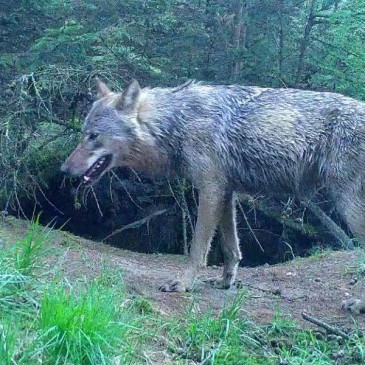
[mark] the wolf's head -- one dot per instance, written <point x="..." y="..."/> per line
<point x="110" y="134"/>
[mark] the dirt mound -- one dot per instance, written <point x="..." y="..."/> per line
<point x="317" y="284"/>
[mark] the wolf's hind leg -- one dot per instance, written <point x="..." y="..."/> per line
<point x="211" y="203"/>
<point x="350" y="203"/>
<point x="354" y="214"/>
<point x="229" y="245"/>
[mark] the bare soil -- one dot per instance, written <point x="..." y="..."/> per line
<point x="316" y="285"/>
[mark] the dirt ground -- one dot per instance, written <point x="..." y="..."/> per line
<point x="316" y="285"/>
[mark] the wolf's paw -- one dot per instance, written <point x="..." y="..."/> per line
<point x="355" y="306"/>
<point x="219" y="282"/>
<point x="174" y="286"/>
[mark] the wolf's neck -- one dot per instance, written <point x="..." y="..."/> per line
<point x="158" y="106"/>
<point x="162" y="124"/>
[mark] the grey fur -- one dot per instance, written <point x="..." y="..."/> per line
<point x="235" y="138"/>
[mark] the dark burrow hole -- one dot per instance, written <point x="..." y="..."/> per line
<point x="152" y="211"/>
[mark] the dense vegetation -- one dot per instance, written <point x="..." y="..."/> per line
<point x="51" y="50"/>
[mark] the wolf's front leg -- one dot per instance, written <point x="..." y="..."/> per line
<point x="209" y="214"/>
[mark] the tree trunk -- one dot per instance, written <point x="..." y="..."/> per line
<point x="305" y="42"/>
<point x="281" y="40"/>
<point x="239" y="36"/>
<point x="209" y="25"/>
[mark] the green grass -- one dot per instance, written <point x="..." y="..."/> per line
<point x="361" y="263"/>
<point x="228" y="338"/>
<point x="85" y="327"/>
<point x="17" y="265"/>
<point x="31" y="247"/>
<point x="59" y="323"/>
<point x="94" y="320"/>
<point x="222" y="338"/>
<point x="8" y="342"/>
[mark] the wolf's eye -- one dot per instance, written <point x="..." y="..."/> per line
<point x="93" y="136"/>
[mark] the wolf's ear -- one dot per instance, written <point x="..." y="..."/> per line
<point x="103" y="90"/>
<point x="129" y="97"/>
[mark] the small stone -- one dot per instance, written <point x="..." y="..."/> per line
<point x="353" y="281"/>
<point x="289" y="273"/>
<point x="332" y="337"/>
<point x="320" y="336"/>
<point x="350" y="245"/>
<point x="339" y="354"/>
<point x="276" y="291"/>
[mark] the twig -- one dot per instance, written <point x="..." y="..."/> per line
<point x="249" y="227"/>
<point x="305" y="229"/>
<point x="326" y="326"/>
<point x="126" y="190"/>
<point x="44" y="194"/>
<point x="97" y="202"/>
<point x="336" y="47"/>
<point x="186" y="248"/>
<point x="136" y="224"/>
<point x="58" y="121"/>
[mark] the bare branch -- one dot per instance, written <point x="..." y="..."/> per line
<point x="137" y="224"/>
<point x="326" y="326"/>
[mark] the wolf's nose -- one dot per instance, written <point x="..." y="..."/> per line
<point x="65" y="169"/>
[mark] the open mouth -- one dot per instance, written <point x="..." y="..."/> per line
<point x="97" y="169"/>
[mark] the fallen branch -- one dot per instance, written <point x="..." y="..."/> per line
<point x="303" y="228"/>
<point x="330" y="329"/>
<point x="327" y="222"/>
<point x="136" y="224"/>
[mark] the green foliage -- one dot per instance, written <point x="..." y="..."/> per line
<point x="56" y="323"/>
<point x="142" y="306"/>
<point x="160" y="41"/>
<point x="342" y="46"/>
<point x="17" y="264"/>
<point x="51" y="51"/>
<point x="8" y="339"/>
<point x="16" y="290"/>
<point x="82" y="327"/>
<point x="217" y="339"/>
<point x="31" y="247"/>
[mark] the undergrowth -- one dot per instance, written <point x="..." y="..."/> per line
<point x="81" y="328"/>
<point x="45" y="319"/>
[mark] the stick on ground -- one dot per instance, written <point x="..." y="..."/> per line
<point x="326" y="326"/>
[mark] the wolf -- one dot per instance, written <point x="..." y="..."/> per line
<point x="228" y="139"/>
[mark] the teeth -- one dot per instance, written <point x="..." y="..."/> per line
<point x="94" y="168"/>
<point x="99" y="163"/>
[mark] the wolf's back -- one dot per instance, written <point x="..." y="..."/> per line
<point x="280" y="139"/>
